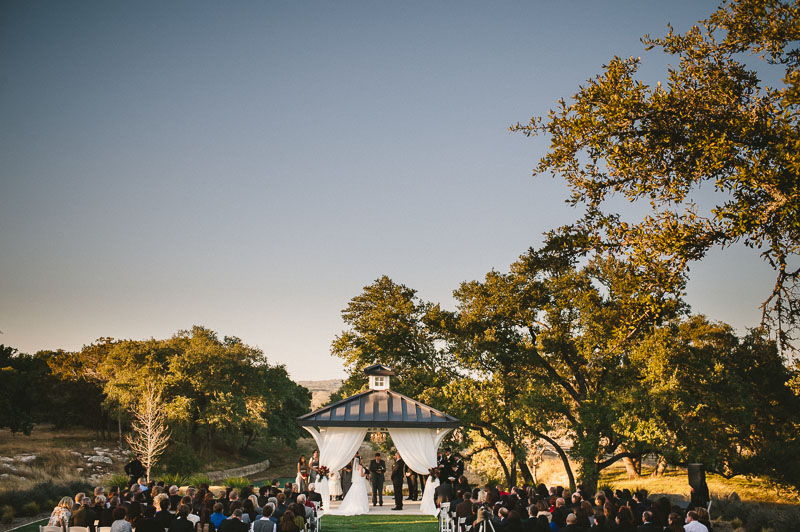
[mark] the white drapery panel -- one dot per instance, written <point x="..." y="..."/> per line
<point x="418" y="448"/>
<point x="337" y="446"/>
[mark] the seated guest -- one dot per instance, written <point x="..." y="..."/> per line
<point x="234" y="523"/>
<point x="264" y="523"/>
<point x="193" y="517"/>
<point x="181" y="522"/>
<point x="218" y="516"/>
<point x="120" y="524"/>
<point x="174" y="498"/>
<point x="62" y="513"/>
<point x="312" y="495"/>
<point x="288" y="523"/>
<point x="205" y="520"/>
<point x="163" y="516"/>
<point x="281" y="506"/>
<point x="675" y="523"/>
<point x="147" y="522"/>
<point x="84" y="516"/>
<point x="693" y="523"/>
<point x="647" y="523"/>
<point x="572" y="524"/>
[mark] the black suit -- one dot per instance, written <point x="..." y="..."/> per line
<point x="398" y="472"/>
<point x="411" y="479"/>
<point x="180" y="524"/>
<point x="233" y="525"/>
<point x="83" y="516"/>
<point x="346" y="476"/>
<point x="458" y="468"/>
<point x="377" y="468"/>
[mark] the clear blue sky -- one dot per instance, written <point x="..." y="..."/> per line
<point x="250" y="166"/>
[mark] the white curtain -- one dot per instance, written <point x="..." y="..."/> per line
<point x="418" y="448"/>
<point x="337" y="446"/>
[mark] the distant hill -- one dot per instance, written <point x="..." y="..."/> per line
<point x="321" y="390"/>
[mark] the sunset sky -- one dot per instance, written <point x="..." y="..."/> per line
<point x="250" y="166"/>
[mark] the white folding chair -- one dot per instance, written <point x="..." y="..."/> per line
<point x="50" y="529"/>
<point x="78" y="529"/>
<point x="103" y="529"/>
<point x="444" y="517"/>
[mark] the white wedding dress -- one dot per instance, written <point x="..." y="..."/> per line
<point x="356" y="502"/>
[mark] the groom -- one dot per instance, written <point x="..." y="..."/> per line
<point x="398" y="470"/>
<point x="377" y="468"/>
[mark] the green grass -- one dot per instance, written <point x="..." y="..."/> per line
<point x="398" y="523"/>
<point x="32" y="527"/>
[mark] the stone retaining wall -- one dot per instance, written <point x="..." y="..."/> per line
<point x="243" y="471"/>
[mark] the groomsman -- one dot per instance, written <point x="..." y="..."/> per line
<point x="346" y="477"/>
<point x="411" y="479"/>
<point x="398" y="472"/>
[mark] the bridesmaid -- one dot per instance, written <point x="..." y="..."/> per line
<point x="302" y="474"/>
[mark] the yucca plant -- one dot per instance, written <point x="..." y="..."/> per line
<point x="118" y="480"/>
<point x="174" y="478"/>
<point x="237" y="482"/>
<point x="196" y="480"/>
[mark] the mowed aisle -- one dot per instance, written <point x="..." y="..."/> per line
<point x="409" y="507"/>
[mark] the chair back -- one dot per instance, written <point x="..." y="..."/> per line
<point x="445" y="523"/>
<point x="79" y="529"/>
<point x="103" y="529"/>
<point x="50" y="529"/>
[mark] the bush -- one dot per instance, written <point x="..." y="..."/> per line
<point x="42" y="494"/>
<point x="196" y="480"/>
<point x="7" y="515"/>
<point x="118" y="480"/>
<point x="31" y="509"/>
<point x="181" y="458"/>
<point x="173" y="478"/>
<point x="237" y="482"/>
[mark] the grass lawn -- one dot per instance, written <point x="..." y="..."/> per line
<point x="32" y="527"/>
<point x="404" y="523"/>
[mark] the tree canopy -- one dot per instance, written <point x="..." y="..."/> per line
<point x="712" y="126"/>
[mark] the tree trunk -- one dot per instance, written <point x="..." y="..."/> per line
<point x="525" y="471"/>
<point x="631" y="468"/>
<point x="563" y="456"/>
<point x="500" y="459"/>
<point x="119" y="423"/>
<point x="661" y="467"/>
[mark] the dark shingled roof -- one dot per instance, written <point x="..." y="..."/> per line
<point x="378" y="369"/>
<point x="378" y="409"/>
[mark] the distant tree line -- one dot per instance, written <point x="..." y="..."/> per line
<point x="213" y="390"/>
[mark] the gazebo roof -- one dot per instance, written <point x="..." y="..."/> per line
<point x="379" y="409"/>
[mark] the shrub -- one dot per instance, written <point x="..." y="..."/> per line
<point x="196" y="480"/>
<point x="6" y="514"/>
<point x="181" y="458"/>
<point x="42" y="494"/>
<point x="173" y="478"/>
<point x="237" y="482"/>
<point x="31" y="509"/>
<point x="118" y="480"/>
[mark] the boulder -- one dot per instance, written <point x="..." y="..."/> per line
<point x="101" y="459"/>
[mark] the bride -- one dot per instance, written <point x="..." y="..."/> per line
<point x="356" y="502"/>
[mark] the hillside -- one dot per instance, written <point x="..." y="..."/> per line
<point x="321" y="390"/>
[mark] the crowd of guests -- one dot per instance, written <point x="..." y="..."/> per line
<point x="152" y="507"/>
<point x="539" y="509"/>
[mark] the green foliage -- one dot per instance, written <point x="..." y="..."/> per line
<point x="31" y="509"/>
<point x="386" y="324"/>
<point x="196" y="480"/>
<point x="118" y="480"/>
<point x="237" y="482"/>
<point x="712" y="125"/>
<point x="181" y="460"/>
<point x="43" y="494"/>
<point x="176" y="479"/>
<point x="6" y="514"/>
<point x="18" y="392"/>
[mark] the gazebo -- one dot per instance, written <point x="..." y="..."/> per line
<point x="415" y="428"/>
